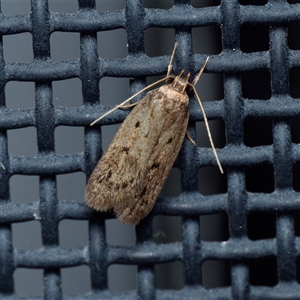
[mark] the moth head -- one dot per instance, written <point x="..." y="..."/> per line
<point x="179" y="83"/>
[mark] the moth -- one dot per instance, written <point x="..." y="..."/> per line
<point x="135" y="166"/>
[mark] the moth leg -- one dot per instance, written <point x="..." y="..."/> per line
<point x="197" y="77"/>
<point x="190" y="138"/>
<point x="170" y="66"/>
<point x="128" y="105"/>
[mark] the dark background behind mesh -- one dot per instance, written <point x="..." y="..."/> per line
<point x="210" y="236"/>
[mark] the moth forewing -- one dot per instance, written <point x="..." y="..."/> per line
<point x="132" y="171"/>
<point x="134" y="168"/>
<point x="161" y="160"/>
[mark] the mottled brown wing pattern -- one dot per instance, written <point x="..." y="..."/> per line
<point x="131" y="173"/>
<point x="120" y="172"/>
<point x="159" y="167"/>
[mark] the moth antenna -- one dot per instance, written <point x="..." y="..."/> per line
<point x="196" y="79"/>
<point x="170" y="66"/>
<point x="208" y="130"/>
<point x="124" y="102"/>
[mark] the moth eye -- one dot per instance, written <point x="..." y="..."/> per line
<point x="137" y="124"/>
<point x="155" y="166"/>
<point x="169" y="141"/>
<point x="125" y="149"/>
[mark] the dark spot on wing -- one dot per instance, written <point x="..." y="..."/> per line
<point x="137" y="124"/>
<point x="125" y="149"/>
<point x="155" y="166"/>
<point x="124" y="185"/>
<point x="170" y="140"/>
<point x="108" y="174"/>
<point x="143" y="192"/>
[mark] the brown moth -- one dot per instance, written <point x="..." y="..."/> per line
<point x="134" y="168"/>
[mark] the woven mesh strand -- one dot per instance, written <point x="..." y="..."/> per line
<point x="253" y="214"/>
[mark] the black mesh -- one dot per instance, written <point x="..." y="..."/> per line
<point x="281" y="157"/>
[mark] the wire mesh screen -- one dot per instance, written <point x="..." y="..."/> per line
<point x="255" y="209"/>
